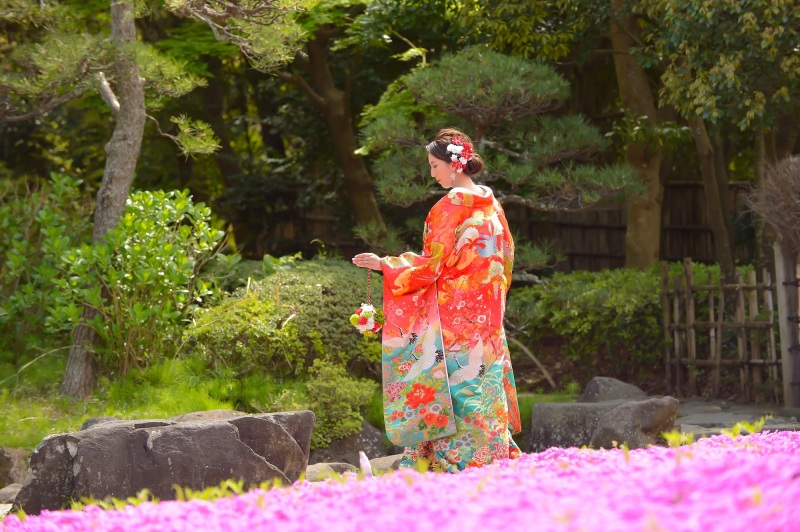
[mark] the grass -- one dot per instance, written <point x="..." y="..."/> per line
<point x="164" y="390"/>
<point x="32" y="410"/>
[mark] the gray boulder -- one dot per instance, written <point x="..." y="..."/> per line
<point x="384" y="464"/>
<point x="49" y="484"/>
<point x="9" y="493"/>
<point x="370" y="440"/>
<point x="208" y="414"/>
<point x="638" y="424"/>
<point x="13" y="466"/>
<point x="566" y="424"/>
<point x="92" y="421"/>
<point x="322" y="471"/>
<point x="120" y="458"/>
<point x="608" y="389"/>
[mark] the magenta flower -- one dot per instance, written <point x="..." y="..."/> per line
<point x="747" y="484"/>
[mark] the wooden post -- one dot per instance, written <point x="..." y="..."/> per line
<point x="786" y="283"/>
<point x="714" y="337"/>
<point x="691" y="337"/>
<point x="752" y="313"/>
<point x="665" y="318"/>
<point x="677" y="340"/>
<point x="773" y="354"/>
<point x="721" y="335"/>
<point x="741" y="341"/>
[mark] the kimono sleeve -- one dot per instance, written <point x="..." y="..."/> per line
<point x="411" y="272"/>
<point x="508" y="248"/>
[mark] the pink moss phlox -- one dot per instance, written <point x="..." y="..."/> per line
<point x="719" y="483"/>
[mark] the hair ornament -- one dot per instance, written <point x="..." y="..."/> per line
<point x="461" y="153"/>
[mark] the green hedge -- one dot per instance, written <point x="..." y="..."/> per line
<point x="293" y="325"/>
<point x="273" y="322"/>
<point x="605" y="323"/>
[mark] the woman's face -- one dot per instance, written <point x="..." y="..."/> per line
<point x="440" y="171"/>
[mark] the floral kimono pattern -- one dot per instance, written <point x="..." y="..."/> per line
<point x="449" y="390"/>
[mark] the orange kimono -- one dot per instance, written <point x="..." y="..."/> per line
<point x="449" y="390"/>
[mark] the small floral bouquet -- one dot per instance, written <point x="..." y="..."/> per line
<point x="368" y="319"/>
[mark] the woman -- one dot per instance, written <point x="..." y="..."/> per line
<point x="449" y="391"/>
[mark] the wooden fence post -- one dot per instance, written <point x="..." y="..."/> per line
<point x="786" y="283"/>
<point x="665" y="316"/>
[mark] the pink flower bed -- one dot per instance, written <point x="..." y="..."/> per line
<point x="749" y="484"/>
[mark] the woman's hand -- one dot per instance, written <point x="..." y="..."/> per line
<point x="367" y="260"/>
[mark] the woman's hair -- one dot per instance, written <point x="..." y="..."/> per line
<point x="438" y="148"/>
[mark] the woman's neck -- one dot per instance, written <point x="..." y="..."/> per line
<point x="465" y="181"/>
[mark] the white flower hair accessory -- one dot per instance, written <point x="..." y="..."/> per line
<point x="461" y="153"/>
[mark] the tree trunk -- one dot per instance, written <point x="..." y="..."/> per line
<point x="643" y="234"/>
<point x="721" y="174"/>
<point x="122" y="153"/>
<point x="334" y="105"/>
<point x="719" y="226"/>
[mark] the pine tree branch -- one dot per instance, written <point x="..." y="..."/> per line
<point x="107" y="93"/>
<point x="317" y="101"/>
<point x="173" y="138"/>
<point x="43" y="108"/>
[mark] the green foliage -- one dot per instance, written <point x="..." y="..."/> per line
<point x="750" y="428"/>
<point x="143" y="280"/>
<point x="735" y="59"/>
<point x="247" y="331"/>
<point x="266" y="32"/>
<point x="608" y="321"/>
<point x="533" y="157"/>
<point x="274" y="322"/>
<point x="194" y="136"/>
<point x="547" y="29"/>
<point x="337" y="400"/>
<point x="36" y="228"/>
<point x="676" y="438"/>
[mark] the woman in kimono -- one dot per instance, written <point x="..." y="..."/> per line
<point x="449" y="391"/>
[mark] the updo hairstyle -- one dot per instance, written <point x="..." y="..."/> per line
<point x="438" y="148"/>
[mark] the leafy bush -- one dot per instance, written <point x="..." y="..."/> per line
<point x="247" y="331"/>
<point x="36" y="228"/>
<point x="142" y="280"/>
<point x="606" y="322"/>
<point x="273" y="322"/>
<point x="337" y="400"/>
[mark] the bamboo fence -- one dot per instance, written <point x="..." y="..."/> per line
<point x="719" y="337"/>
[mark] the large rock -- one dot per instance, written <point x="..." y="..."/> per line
<point x="323" y="471"/>
<point x="49" y="484"/>
<point x="13" y="466"/>
<point x="9" y="493"/>
<point x="120" y="458"/>
<point x="637" y="424"/>
<point x="607" y="389"/>
<point x="370" y="440"/>
<point x="386" y="464"/>
<point x="566" y="424"/>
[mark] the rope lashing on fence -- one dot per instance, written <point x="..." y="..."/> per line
<point x="793" y="317"/>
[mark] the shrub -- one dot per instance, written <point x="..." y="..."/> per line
<point x="143" y="279"/>
<point x="36" y="228"/>
<point x="245" y="332"/>
<point x="606" y="322"/>
<point x="300" y="301"/>
<point x="337" y="400"/>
